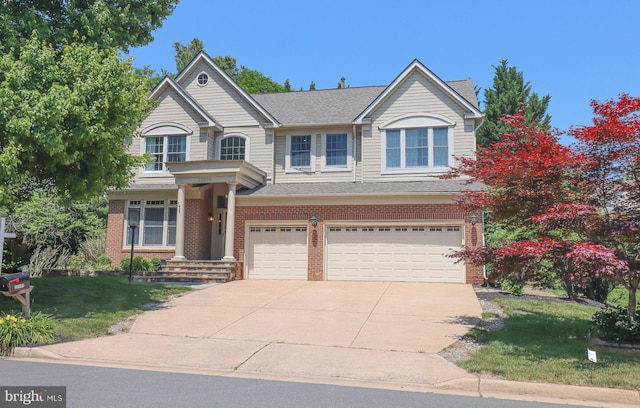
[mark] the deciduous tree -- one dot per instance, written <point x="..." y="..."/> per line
<point x="582" y="204"/>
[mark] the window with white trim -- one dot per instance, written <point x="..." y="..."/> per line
<point x="161" y="149"/>
<point x="233" y="147"/>
<point x="417" y="142"/>
<point x="157" y="223"/>
<point x="416" y="149"/>
<point x="336" y="152"/>
<point x="300" y="155"/>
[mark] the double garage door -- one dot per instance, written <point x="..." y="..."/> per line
<point x="360" y="253"/>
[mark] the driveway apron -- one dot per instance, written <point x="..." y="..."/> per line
<point x="369" y="331"/>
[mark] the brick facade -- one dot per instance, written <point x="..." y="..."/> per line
<point x="329" y="213"/>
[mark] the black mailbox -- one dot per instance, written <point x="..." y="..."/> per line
<point x="14" y="282"/>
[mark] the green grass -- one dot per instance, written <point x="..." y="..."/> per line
<point x="87" y="306"/>
<point x="545" y="341"/>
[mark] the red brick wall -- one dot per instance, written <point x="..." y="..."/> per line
<point x="115" y="225"/>
<point x="196" y="230"/>
<point x="403" y="212"/>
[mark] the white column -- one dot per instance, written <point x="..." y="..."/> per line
<point x="231" y="222"/>
<point x="180" y="225"/>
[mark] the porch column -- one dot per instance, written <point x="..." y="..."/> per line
<point x="180" y="225"/>
<point x="231" y="222"/>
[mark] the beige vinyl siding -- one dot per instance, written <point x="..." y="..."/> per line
<point x="260" y="153"/>
<point x="173" y="109"/>
<point x="282" y="176"/>
<point x="415" y="94"/>
<point x="219" y="99"/>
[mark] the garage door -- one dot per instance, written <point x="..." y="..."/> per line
<point x="277" y="252"/>
<point x="394" y="253"/>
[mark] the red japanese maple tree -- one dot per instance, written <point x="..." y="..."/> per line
<point x="581" y="204"/>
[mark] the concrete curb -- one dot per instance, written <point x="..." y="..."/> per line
<point x="35" y="352"/>
<point x="491" y="387"/>
<point x="484" y="387"/>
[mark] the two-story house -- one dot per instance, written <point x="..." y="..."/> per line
<point x="338" y="184"/>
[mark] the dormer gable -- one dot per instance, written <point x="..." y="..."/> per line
<point x="416" y="66"/>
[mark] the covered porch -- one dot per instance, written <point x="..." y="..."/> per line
<point x="215" y="182"/>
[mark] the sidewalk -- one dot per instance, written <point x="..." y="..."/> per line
<point x="341" y="333"/>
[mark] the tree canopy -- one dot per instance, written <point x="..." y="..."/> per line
<point x="105" y="24"/>
<point x="68" y="99"/>
<point x="510" y="94"/>
<point x="581" y="203"/>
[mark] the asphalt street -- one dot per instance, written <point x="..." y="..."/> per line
<point x="98" y="387"/>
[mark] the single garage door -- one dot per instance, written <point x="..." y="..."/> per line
<point x="277" y="252"/>
<point x="394" y="253"/>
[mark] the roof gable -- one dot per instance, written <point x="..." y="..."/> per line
<point x="202" y="57"/>
<point x="168" y="83"/>
<point x="447" y="88"/>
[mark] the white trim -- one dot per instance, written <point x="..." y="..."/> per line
<point x="142" y="206"/>
<point x="166" y="128"/>
<point x="323" y="160"/>
<point x="198" y="79"/>
<point x="202" y="56"/>
<point x="165" y="152"/>
<point x="418" y="119"/>
<point x="218" y="141"/>
<point x="418" y="66"/>
<point x="312" y="160"/>
<point x="403" y="169"/>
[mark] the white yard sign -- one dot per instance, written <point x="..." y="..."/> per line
<point x="3" y="235"/>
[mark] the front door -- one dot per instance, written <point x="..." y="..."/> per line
<point x="218" y="232"/>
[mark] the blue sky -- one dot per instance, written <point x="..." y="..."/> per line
<point x="573" y="50"/>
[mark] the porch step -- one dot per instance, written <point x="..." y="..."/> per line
<point x="192" y="272"/>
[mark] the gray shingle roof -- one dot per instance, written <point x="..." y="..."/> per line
<point x="326" y="107"/>
<point x="351" y="189"/>
<point x="334" y="106"/>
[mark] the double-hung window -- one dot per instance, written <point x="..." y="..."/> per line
<point x="419" y="142"/>
<point x="157" y="223"/>
<point x="300" y="153"/>
<point x="336" y="152"/>
<point x="163" y="149"/>
<point x="415" y="149"/>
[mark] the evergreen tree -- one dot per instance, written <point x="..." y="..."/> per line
<point x="509" y="94"/>
<point x="312" y="86"/>
<point x="287" y="85"/>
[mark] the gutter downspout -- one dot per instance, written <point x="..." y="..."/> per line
<point x="354" y="152"/>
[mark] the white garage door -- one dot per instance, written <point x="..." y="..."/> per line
<point x="277" y="252"/>
<point x="394" y="253"/>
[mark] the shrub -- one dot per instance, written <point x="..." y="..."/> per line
<point x="156" y="264"/>
<point x="17" y="331"/>
<point x="103" y="262"/>
<point x="140" y="264"/>
<point x="512" y="285"/>
<point x="611" y="324"/>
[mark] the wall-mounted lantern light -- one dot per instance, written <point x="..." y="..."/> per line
<point x="210" y="217"/>
<point x="314" y="220"/>
<point x="474" y="219"/>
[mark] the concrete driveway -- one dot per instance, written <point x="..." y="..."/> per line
<point x="365" y="331"/>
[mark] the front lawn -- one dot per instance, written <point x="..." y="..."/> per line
<point x="547" y="341"/>
<point x="86" y="307"/>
